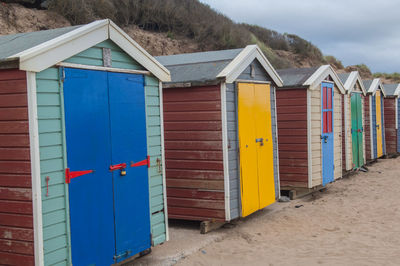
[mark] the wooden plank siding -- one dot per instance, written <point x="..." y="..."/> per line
<point x="390" y="125"/>
<point x="367" y="128"/>
<point x="193" y="153"/>
<point x="316" y="145"/>
<point x="292" y="132"/>
<point x="55" y="211"/>
<point x="16" y="216"/>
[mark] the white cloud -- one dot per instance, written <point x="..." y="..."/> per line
<point x="354" y="31"/>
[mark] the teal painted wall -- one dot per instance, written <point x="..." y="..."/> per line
<point x="53" y="159"/>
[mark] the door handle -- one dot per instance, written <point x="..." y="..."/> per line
<point x="121" y="166"/>
<point x="261" y="140"/>
<point x="377" y="126"/>
<point x="325" y="138"/>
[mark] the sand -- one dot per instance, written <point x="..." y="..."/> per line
<point x="356" y="221"/>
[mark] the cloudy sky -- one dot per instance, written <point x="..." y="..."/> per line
<point x="354" y="31"/>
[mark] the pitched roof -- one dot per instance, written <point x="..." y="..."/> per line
<point x="296" y="76"/>
<point x="204" y="67"/>
<point x="197" y="67"/>
<point x="36" y="51"/>
<point x="309" y="77"/>
<point x="349" y="81"/>
<point x="372" y="85"/>
<point x="392" y="89"/>
<point x="16" y="43"/>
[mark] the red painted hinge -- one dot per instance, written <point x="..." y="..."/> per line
<point x="69" y="175"/>
<point x="117" y="166"/>
<point x="141" y="163"/>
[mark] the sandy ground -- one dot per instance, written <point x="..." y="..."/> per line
<point x="356" y="221"/>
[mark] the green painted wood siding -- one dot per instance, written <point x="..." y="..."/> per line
<point x="52" y="164"/>
<point x="52" y="152"/>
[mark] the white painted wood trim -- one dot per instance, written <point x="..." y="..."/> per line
<point x="314" y="81"/>
<point x="69" y="44"/>
<point x="35" y="168"/>
<point x="100" y="68"/>
<point x="160" y="91"/>
<point x="397" y="91"/>
<point x="396" y="110"/>
<point x="370" y="128"/>
<point x="309" y="140"/>
<point x="243" y="59"/>
<point x="277" y="144"/>
<point x="252" y="81"/>
<point x="54" y="51"/>
<point x="132" y="48"/>
<point x="346" y="125"/>
<point x="225" y="149"/>
<point x="351" y="82"/>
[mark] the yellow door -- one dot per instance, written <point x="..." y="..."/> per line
<point x="378" y="124"/>
<point x="256" y="147"/>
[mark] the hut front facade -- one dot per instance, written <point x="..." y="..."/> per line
<point x="391" y="110"/>
<point x="353" y="134"/>
<point x="220" y="134"/>
<point x="309" y="108"/>
<point x="375" y="145"/>
<point x="81" y="172"/>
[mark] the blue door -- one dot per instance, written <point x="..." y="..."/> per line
<point x="129" y="145"/>
<point x="327" y="137"/>
<point x="89" y="148"/>
<point x="106" y="134"/>
<point x="398" y="125"/>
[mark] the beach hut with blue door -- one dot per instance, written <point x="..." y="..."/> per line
<point x="309" y="128"/>
<point x="81" y="147"/>
<point x="375" y="146"/>
<point x="353" y="134"/>
<point x="391" y="112"/>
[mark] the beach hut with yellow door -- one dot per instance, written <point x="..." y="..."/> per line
<point x="374" y="119"/>
<point x="220" y="134"/>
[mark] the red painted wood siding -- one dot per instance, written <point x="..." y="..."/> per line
<point x="291" y="107"/>
<point x="367" y="128"/>
<point x="193" y="153"/>
<point x="16" y="222"/>
<point x="390" y="125"/>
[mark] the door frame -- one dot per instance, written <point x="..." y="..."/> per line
<point x="322" y="128"/>
<point x="60" y="66"/>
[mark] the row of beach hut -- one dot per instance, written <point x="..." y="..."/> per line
<point x="101" y="143"/>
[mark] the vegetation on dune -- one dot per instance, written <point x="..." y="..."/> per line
<point x="192" y="19"/>
<point x="329" y="59"/>
<point x="393" y="77"/>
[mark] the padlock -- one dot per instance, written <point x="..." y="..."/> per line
<point x="123" y="172"/>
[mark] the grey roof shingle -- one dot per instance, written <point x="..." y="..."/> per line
<point x="16" y="43"/>
<point x="390" y="89"/>
<point x="367" y="84"/>
<point x="343" y="77"/>
<point x="295" y="76"/>
<point x="197" y="67"/>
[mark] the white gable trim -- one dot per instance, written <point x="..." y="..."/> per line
<point x="52" y="52"/>
<point x="314" y="81"/>
<point x="397" y="91"/>
<point x="351" y="82"/>
<point x="375" y="85"/>
<point x="232" y="71"/>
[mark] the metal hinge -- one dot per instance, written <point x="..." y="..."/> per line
<point x="122" y="255"/>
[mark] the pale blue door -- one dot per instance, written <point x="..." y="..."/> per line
<point x="327" y="137"/>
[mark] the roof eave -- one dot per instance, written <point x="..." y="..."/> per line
<point x="243" y="59"/>
<point x="319" y="75"/>
<point x="9" y="63"/>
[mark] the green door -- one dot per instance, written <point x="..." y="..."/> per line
<point x="357" y="130"/>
